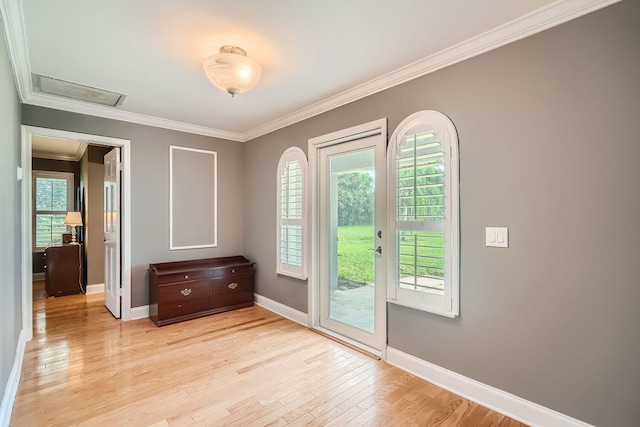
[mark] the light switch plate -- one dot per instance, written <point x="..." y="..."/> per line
<point x="497" y="237"/>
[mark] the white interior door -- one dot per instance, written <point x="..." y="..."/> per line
<point x="351" y="286"/>
<point x="112" y="277"/>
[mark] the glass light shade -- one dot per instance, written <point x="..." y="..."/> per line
<point x="232" y="71"/>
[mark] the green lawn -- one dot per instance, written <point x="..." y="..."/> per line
<point x="355" y="260"/>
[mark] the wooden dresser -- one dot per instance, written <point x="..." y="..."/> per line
<point x="63" y="270"/>
<point x="185" y="290"/>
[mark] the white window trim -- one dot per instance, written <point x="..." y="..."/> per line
<point x="448" y="304"/>
<point x="70" y="197"/>
<point x="297" y="272"/>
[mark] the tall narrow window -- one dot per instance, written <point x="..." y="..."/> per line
<point x="423" y="189"/>
<point x="52" y="198"/>
<point x="292" y="214"/>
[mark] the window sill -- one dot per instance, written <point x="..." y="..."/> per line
<point x="290" y="274"/>
<point x="426" y="308"/>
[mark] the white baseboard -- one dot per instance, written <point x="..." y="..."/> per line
<point x="139" y="312"/>
<point x="95" y="289"/>
<point x="11" y="389"/>
<point x="282" y="310"/>
<point x="508" y="404"/>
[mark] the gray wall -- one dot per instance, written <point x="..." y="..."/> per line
<point x="150" y="188"/>
<point x="92" y="167"/>
<point x="549" y="147"/>
<point x="10" y="246"/>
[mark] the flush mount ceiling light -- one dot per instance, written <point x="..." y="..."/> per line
<point x="232" y="71"/>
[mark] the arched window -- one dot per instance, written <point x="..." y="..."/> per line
<point x="423" y="224"/>
<point x="291" y="255"/>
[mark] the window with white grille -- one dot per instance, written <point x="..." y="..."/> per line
<point x="423" y="189"/>
<point x="52" y="198"/>
<point x="292" y="214"/>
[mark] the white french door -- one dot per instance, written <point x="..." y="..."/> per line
<point x="349" y="287"/>
<point x="112" y="275"/>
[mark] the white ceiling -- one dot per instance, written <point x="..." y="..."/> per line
<point x="57" y="149"/>
<point x="315" y="55"/>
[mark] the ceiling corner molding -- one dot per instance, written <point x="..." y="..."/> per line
<point x="79" y="107"/>
<point x="542" y="19"/>
<point x="13" y="25"/>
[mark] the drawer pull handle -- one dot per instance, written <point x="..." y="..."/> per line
<point x="186" y="276"/>
<point x="233" y="285"/>
<point x="185" y="291"/>
<point x="233" y="271"/>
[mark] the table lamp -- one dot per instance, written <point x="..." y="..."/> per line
<point x="73" y="219"/>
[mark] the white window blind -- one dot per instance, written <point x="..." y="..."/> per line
<point x="291" y="217"/>
<point x="424" y="189"/>
<point x="420" y="213"/>
<point x="52" y="198"/>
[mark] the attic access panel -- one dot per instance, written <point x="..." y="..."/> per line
<point x="66" y="89"/>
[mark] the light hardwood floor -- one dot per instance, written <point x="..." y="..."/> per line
<point x="248" y="367"/>
<point x="38" y="290"/>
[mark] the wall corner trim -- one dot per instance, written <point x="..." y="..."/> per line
<point x="139" y="312"/>
<point x="495" y="399"/>
<point x="281" y="309"/>
<point x="11" y="390"/>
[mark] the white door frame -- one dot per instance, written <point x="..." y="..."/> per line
<point x="28" y="132"/>
<point x="375" y="127"/>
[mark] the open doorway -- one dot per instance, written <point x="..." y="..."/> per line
<point x="67" y="180"/>
<point x="93" y="148"/>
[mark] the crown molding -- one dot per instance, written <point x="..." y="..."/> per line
<point x="13" y="25"/>
<point x="544" y="18"/>
<point x="80" y="107"/>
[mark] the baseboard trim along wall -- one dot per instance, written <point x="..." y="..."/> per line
<point x="281" y="309"/>
<point x="11" y="389"/>
<point x="95" y="289"/>
<point x="139" y="312"/>
<point x="508" y="404"/>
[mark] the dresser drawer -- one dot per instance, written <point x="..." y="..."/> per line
<point x="182" y="299"/>
<point x="231" y="291"/>
<point x="183" y="277"/>
<point x="229" y="271"/>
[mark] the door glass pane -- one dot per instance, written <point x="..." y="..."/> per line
<point x="351" y="204"/>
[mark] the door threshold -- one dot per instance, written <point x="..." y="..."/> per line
<point x="355" y="345"/>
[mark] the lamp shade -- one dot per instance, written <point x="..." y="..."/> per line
<point x="232" y="71"/>
<point x="73" y="218"/>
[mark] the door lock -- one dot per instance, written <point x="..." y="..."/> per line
<point x="378" y="249"/>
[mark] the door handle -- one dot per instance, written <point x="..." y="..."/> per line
<point x="378" y="249"/>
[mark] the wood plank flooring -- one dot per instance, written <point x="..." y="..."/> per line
<point x="247" y="367"/>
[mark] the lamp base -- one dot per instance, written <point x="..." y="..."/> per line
<point x="73" y="236"/>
